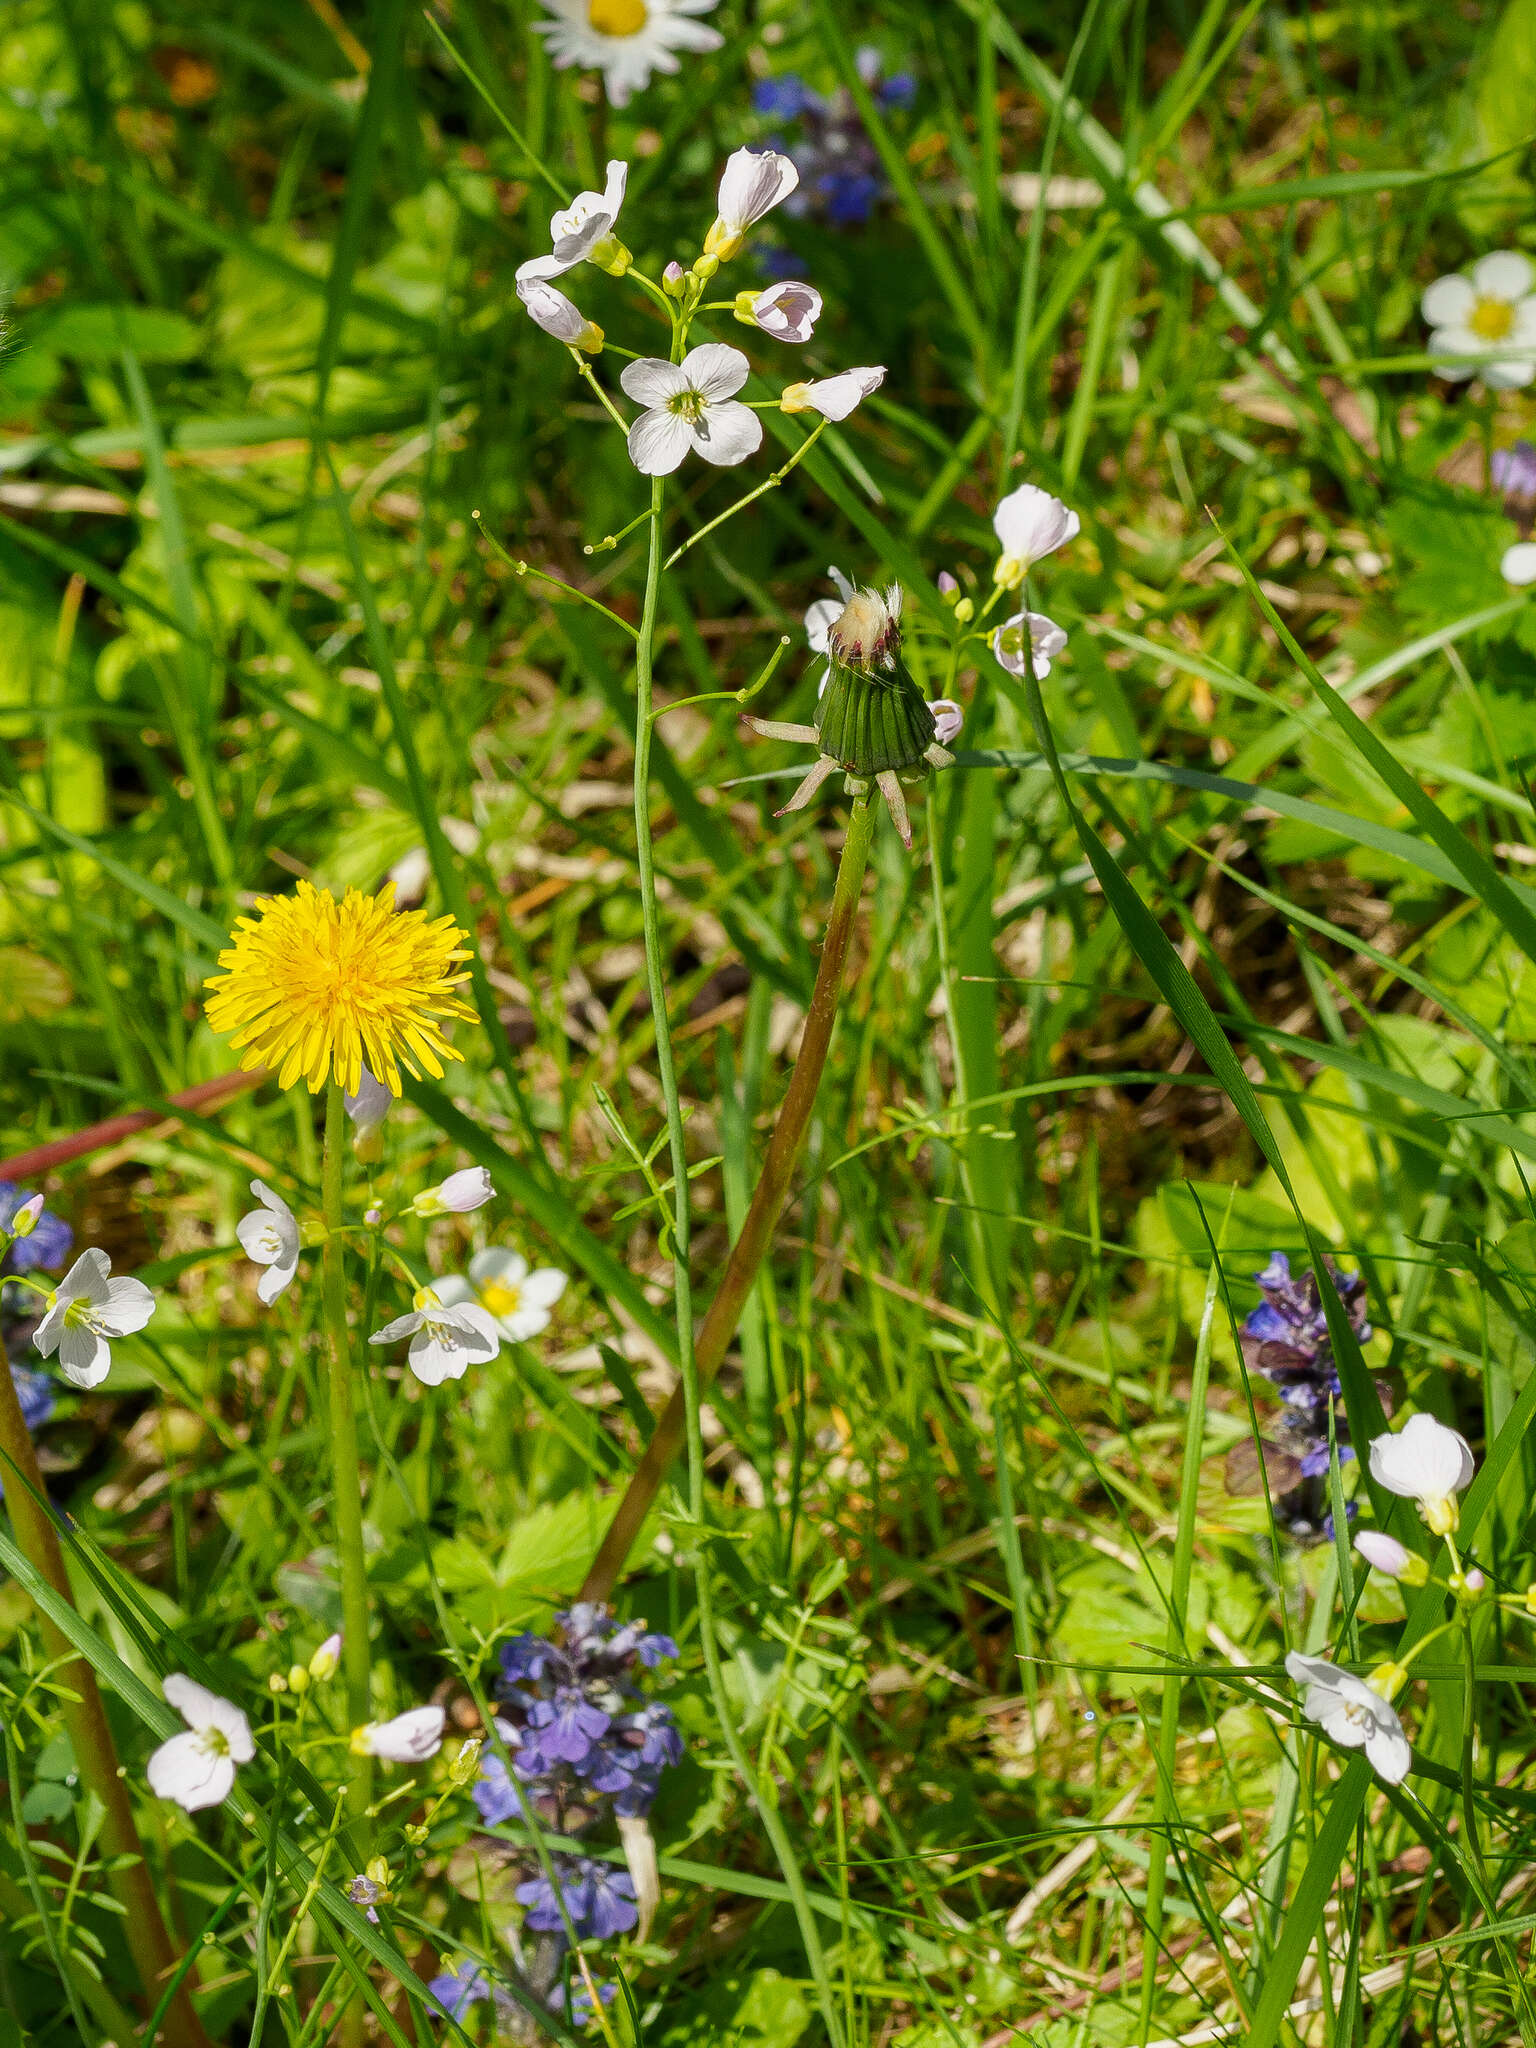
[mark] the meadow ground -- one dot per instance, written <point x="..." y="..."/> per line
<point x="362" y="527"/>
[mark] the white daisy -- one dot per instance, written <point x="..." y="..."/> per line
<point x="554" y="312"/>
<point x="445" y="1339"/>
<point x="1518" y="565"/>
<point x="625" y="39"/>
<point x="1046" y="641"/>
<point x="1029" y="523"/>
<point x="1353" y="1713"/>
<point x="499" y="1280"/>
<point x="691" y="405"/>
<point x="269" y="1237"/>
<point x="410" y="1738"/>
<point x="788" y="311"/>
<point x="1428" y="1463"/>
<point x="458" y="1194"/>
<point x="1469" y="316"/>
<point x="751" y="185"/>
<point x="583" y="231"/>
<point x="197" y="1769"/>
<point x="86" y="1308"/>
<point x="833" y="397"/>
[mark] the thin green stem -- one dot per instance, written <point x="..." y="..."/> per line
<point x="85" y="1718"/>
<point x="346" y="1468"/>
<point x="768" y="484"/>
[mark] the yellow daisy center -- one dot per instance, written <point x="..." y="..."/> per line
<point x="316" y="988"/>
<point x="501" y="1297"/>
<point x="1492" y="319"/>
<point x="618" y="17"/>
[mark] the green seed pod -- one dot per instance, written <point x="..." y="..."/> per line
<point x="872" y="718"/>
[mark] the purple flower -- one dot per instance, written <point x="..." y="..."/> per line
<point x="661" y="1743"/>
<point x="526" y="1656"/>
<point x="611" y="1907"/>
<point x="48" y="1243"/>
<point x="599" y="1899"/>
<point x="1286" y="1339"/>
<point x="1514" y="474"/>
<point x="784" y="99"/>
<point x="495" y="1794"/>
<point x="34" y="1391"/>
<point x="457" y="1990"/>
<point x="568" y="1725"/>
<point x="581" y="2007"/>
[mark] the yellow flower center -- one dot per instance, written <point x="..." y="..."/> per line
<point x="1492" y="319"/>
<point x="618" y="17"/>
<point x="315" y="987"/>
<point x="501" y="1297"/>
<point x="213" y="1741"/>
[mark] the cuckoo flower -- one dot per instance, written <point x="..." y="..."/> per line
<point x="1029" y="524"/>
<point x="691" y="405"/>
<point x="446" y="1338"/>
<point x="751" y="185"/>
<point x="270" y="1237"/>
<point x="85" y="1310"/>
<point x="1353" y="1714"/>
<point x="197" y="1768"/>
<point x="1427" y="1463"/>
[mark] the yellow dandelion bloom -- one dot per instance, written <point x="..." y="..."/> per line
<point x="316" y="988"/>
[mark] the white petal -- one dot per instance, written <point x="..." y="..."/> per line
<point x="1310" y="1670"/>
<point x="234" y="1728"/>
<point x="727" y="434"/>
<point x="752" y="183"/>
<point x="186" y="1770"/>
<point x="87" y="1278"/>
<point x="194" y="1702"/>
<point x="716" y="370"/>
<point x="470" y="1189"/>
<point x="1389" y="1754"/>
<point x="1519" y="563"/>
<point x="1504" y="275"/>
<point x="544" y="1287"/>
<point x="1448" y="301"/>
<point x="1382" y="1551"/>
<point x="48" y="1332"/>
<point x="402" y="1326"/>
<point x="1423" y="1461"/>
<point x="497" y="1262"/>
<point x="276" y="1279"/>
<point x="410" y="1738"/>
<point x="650" y="381"/>
<point x="948" y="718"/>
<point x="526" y="1323"/>
<point x="1030" y="523"/>
<point x="84" y="1358"/>
<point x="552" y="310"/>
<point x="452" y="1289"/>
<point x="128" y="1306"/>
<point x="370" y="1105"/>
<point x="540" y="269"/>
<point x="614" y="185"/>
<point x="1507" y="376"/>
<point x="659" y="441"/>
<point x="433" y="1360"/>
<point x="1341" y="1726"/>
<point x="820" y="618"/>
<point x="835" y="397"/>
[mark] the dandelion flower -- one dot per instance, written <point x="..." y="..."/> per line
<point x="1428" y="1463"/>
<point x="625" y="39"/>
<point x="445" y="1338"/>
<point x="1030" y="523"/>
<point x="197" y="1768"/>
<point x="1470" y="316"/>
<point x="1353" y="1714"/>
<point x="499" y="1280"/>
<point x="1046" y="640"/>
<point x="691" y="404"/>
<point x="410" y="1738"/>
<point x="269" y="1237"/>
<point x="315" y="988"/>
<point x="86" y="1308"/>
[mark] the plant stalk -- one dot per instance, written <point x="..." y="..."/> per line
<point x="747" y="1254"/>
<point x="346" y="1467"/>
<point x="85" y="1717"/>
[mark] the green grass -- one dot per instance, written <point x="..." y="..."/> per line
<point x="1219" y="942"/>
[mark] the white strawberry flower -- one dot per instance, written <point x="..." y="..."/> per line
<point x="197" y="1768"/>
<point x="554" y="312"/>
<point x="625" y="39"/>
<point x="788" y="311"/>
<point x="457" y="1195"/>
<point x="1046" y="640"/>
<point x="691" y="404"/>
<point x="86" y="1309"/>
<point x="583" y="232"/>
<point x="445" y="1339"/>
<point x="1428" y="1463"/>
<point x="833" y="397"/>
<point x="410" y="1738"/>
<point x="751" y="185"/>
<point x="520" y="1301"/>
<point x="1470" y="316"/>
<point x="269" y="1236"/>
<point x="1029" y="523"/>
<point x="1353" y="1714"/>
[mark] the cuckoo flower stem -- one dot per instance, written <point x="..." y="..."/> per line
<point x="85" y="1718"/>
<point x="750" y="1249"/>
<point x="346" y="1469"/>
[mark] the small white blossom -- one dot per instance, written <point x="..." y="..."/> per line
<point x="1353" y="1714"/>
<point x="788" y="311"/>
<point x="269" y="1237"/>
<point x="1471" y="316"/>
<point x="457" y="1195"/>
<point x="86" y="1308"/>
<point x="410" y="1738"/>
<point x="1385" y="1553"/>
<point x="445" y="1340"/>
<point x="500" y="1282"/>
<point x="625" y="39"/>
<point x="1029" y="524"/>
<point x="948" y="717"/>
<point x="197" y="1769"/>
<point x="751" y="185"/>
<point x="369" y="1106"/>
<point x="1428" y="1463"/>
<point x="1518" y="565"/>
<point x="691" y="405"/>
<point x="553" y="311"/>
<point x="580" y="231"/>
<point x="833" y="397"/>
<point x="1046" y="640"/>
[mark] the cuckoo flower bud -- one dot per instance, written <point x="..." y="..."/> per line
<point x="24" y="1222"/>
<point x="1386" y="1554"/>
<point x="674" y="280"/>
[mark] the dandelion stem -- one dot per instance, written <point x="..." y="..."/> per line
<point x="346" y="1470"/>
<point x="750" y="1248"/>
<point x="85" y="1718"/>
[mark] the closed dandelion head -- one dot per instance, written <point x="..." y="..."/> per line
<point x="320" y="989"/>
